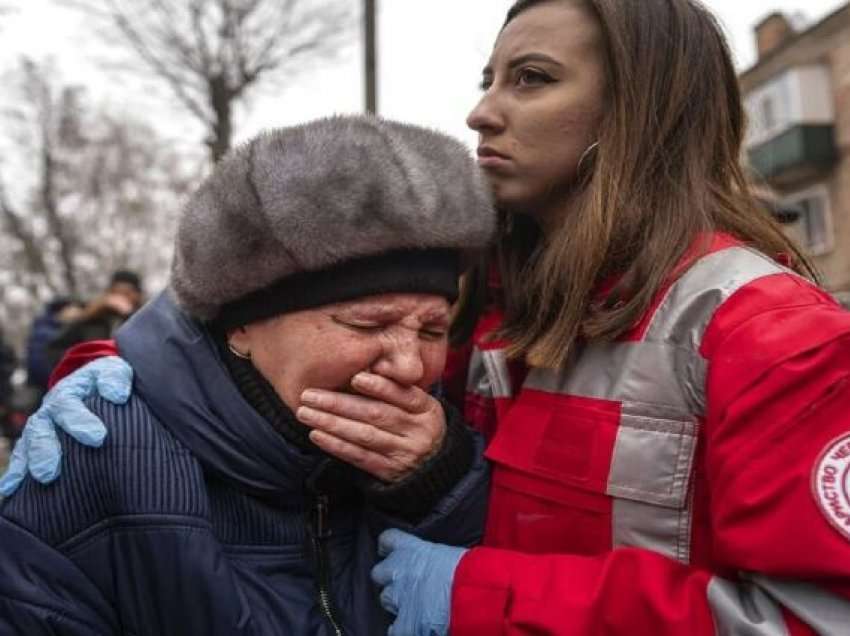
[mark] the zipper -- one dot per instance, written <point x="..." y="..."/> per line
<point x="320" y="532"/>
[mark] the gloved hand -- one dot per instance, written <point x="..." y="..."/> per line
<point x="38" y="449"/>
<point x="417" y="579"/>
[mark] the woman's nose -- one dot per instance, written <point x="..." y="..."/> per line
<point x="485" y="117"/>
<point x="402" y="361"/>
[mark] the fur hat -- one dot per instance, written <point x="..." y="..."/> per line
<point x="319" y="198"/>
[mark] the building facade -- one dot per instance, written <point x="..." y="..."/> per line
<point x="797" y="96"/>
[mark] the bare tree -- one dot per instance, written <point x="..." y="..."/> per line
<point x="43" y="114"/>
<point x="82" y="193"/>
<point x="211" y="53"/>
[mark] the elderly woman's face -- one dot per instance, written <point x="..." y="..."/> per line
<point x="400" y="336"/>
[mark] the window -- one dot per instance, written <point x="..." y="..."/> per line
<point x="768" y="114"/>
<point x="799" y="96"/>
<point x="815" y="222"/>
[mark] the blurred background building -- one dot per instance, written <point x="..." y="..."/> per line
<point x="797" y="96"/>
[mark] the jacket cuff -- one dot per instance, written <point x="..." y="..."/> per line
<point x="481" y="592"/>
<point x="412" y="498"/>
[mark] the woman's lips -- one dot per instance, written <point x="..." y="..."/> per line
<point x="490" y="158"/>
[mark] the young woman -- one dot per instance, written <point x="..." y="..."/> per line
<point x="665" y="391"/>
<point x="668" y="396"/>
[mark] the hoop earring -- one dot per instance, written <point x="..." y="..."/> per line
<point x="238" y="354"/>
<point x="585" y="155"/>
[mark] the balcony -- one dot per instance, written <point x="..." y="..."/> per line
<point x="799" y="153"/>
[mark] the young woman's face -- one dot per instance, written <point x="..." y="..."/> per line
<point x="402" y="337"/>
<point x="544" y="90"/>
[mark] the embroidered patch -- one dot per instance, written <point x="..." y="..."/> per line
<point x="831" y="484"/>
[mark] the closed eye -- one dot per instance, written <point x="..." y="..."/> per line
<point x="433" y="334"/>
<point x="361" y="327"/>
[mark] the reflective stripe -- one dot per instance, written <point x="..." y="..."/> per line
<point x="476" y="376"/>
<point x="638" y="524"/>
<point x="488" y="374"/>
<point x="649" y="478"/>
<point x="660" y="382"/>
<point x="652" y="458"/>
<point x="621" y="371"/>
<point x="690" y="303"/>
<point x="823" y="611"/>
<point x="752" y="606"/>
<point x="743" y="609"/>
<point x="497" y="369"/>
<point x="666" y="367"/>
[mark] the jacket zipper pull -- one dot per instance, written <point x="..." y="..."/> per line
<point x="321" y="527"/>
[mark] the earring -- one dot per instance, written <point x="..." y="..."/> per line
<point x="586" y="155"/>
<point x="238" y="354"/>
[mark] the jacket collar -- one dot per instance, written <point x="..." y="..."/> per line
<point x="179" y="374"/>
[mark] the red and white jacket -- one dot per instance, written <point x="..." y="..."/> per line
<point x="691" y="478"/>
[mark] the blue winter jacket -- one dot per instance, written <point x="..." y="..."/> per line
<point x="194" y="517"/>
<point x="44" y="328"/>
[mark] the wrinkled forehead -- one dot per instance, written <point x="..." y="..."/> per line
<point x="562" y="30"/>
<point x="396" y="306"/>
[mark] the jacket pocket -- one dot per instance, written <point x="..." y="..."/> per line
<point x="652" y="459"/>
<point x="584" y="476"/>
<point x="550" y="461"/>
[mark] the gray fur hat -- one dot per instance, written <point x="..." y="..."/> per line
<point x="319" y="198"/>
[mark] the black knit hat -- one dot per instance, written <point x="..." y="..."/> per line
<point x="328" y="211"/>
<point x="433" y="271"/>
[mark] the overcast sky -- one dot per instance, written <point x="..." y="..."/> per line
<point x="430" y="57"/>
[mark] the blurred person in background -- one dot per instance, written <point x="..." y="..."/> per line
<point x="45" y="327"/>
<point x="8" y="361"/>
<point x="97" y="320"/>
<point x="7" y="368"/>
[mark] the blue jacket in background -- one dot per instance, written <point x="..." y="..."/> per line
<point x="194" y="518"/>
<point x="44" y="328"/>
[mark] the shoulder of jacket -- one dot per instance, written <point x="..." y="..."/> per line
<point x="140" y="470"/>
<point x="133" y="425"/>
<point x="684" y="310"/>
<point x="783" y="303"/>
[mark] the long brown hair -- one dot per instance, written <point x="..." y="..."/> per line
<point x="666" y="172"/>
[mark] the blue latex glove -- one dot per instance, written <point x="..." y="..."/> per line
<point x="38" y="450"/>
<point x="417" y="579"/>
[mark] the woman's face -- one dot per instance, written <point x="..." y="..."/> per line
<point x="544" y="90"/>
<point x="399" y="336"/>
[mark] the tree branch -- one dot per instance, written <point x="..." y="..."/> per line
<point x="157" y="65"/>
<point x="32" y="252"/>
<point x="209" y="52"/>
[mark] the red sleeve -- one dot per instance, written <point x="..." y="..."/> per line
<point x="779" y="401"/>
<point x="455" y="373"/>
<point x="80" y="355"/>
<point x="777" y="478"/>
<point x="627" y="591"/>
